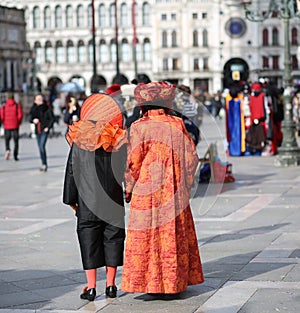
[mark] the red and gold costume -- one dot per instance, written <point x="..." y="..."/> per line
<point x="161" y="254"/>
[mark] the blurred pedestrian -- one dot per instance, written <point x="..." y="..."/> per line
<point x="217" y="103"/>
<point x="276" y="115"/>
<point x="93" y="188"/>
<point x="72" y="111"/>
<point x="161" y="254"/>
<point x="43" y="119"/>
<point x="57" y="106"/>
<point x="11" y="115"/>
<point x="189" y="107"/>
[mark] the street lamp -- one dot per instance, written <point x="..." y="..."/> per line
<point x="289" y="152"/>
<point x="117" y="42"/>
<point x="134" y="42"/>
<point x="33" y="72"/>
<point x="94" y="86"/>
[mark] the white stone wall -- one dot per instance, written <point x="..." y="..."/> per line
<point x="221" y="47"/>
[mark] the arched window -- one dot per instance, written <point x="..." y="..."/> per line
<point x="265" y="62"/>
<point x="174" y="38"/>
<point x="38" y="52"/>
<point x="165" y="64"/>
<point x="59" y="51"/>
<point x="48" y="52"/>
<point x="113" y="50"/>
<point x="147" y="50"/>
<point x="79" y="16"/>
<point x="90" y="51"/>
<point x="26" y="14"/>
<point x="69" y="16"/>
<point x="125" y="51"/>
<point x="103" y="51"/>
<point x="81" y="52"/>
<point x="196" y="64"/>
<point x="47" y="17"/>
<point x="164" y="39"/>
<point x="138" y="51"/>
<point x="102" y="20"/>
<point x="294" y="36"/>
<point x="58" y="17"/>
<point x="146" y="13"/>
<point x="195" y="38"/>
<point x="265" y="37"/>
<point x="275" y="40"/>
<point x="295" y="65"/>
<point x="112" y="17"/>
<point x="205" y="38"/>
<point x="124" y="15"/>
<point x="36" y="18"/>
<point x="90" y="15"/>
<point x="70" y="52"/>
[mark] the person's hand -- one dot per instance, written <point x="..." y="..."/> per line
<point x="128" y="196"/>
<point x="74" y="207"/>
<point x="46" y="129"/>
<point x="36" y="120"/>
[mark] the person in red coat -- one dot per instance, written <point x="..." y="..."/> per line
<point x="11" y="115"/>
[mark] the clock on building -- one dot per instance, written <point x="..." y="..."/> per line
<point x="235" y="27"/>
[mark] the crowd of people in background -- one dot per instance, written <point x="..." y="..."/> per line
<point x="253" y="113"/>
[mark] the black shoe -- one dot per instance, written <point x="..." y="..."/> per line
<point x="111" y="291"/>
<point x="16" y="159"/>
<point x="89" y="294"/>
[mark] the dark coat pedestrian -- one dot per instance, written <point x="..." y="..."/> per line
<point x="43" y="119"/>
<point x="93" y="188"/>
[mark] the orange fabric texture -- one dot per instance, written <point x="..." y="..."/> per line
<point x="100" y="125"/>
<point x="161" y="254"/>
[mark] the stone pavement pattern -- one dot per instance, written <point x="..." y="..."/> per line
<point x="248" y="234"/>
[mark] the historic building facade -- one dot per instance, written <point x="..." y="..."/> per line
<point x="205" y="44"/>
<point x="13" y="49"/>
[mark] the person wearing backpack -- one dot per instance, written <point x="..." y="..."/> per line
<point x="11" y="115"/>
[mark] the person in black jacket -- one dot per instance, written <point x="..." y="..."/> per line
<point x="43" y="119"/>
<point x="93" y="188"/>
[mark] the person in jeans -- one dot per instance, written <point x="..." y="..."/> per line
<point x="11" y="115"/>
<point x="43" y="119"/>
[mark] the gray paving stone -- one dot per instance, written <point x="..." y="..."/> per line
<point x="269" y="301"/>
<point x="248" y="233"/>
<point x="263" y="272"/>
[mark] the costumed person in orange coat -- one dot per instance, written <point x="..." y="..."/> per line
<point x="161" y="254"/>
<point x="93" y="188"/>
<point x="235" y="122"/>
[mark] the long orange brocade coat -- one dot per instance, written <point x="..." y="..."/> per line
<point x="161" y="254"/>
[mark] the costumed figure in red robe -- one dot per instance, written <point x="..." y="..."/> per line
<point x="161" y="254"/>
<point x="256" y="136"/>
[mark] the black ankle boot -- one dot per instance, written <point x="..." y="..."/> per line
<point x="89" y="294"/>
<point x="111" y="291"/>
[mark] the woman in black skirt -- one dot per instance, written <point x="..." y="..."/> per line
<point x="93" y="188"/>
